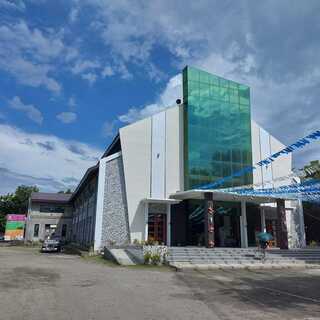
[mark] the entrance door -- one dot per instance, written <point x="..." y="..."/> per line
<point x="157" y="227"/>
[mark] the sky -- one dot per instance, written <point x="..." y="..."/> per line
<point x="73" y="72"/>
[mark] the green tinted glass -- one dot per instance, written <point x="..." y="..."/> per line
<point x="217" y="129"/>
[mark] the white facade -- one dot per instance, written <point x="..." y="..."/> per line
<point x="278" y="173"/>
<point x="152" y="157"/>
<point x="152" y="151"/>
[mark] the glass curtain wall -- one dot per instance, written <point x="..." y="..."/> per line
<point x="217" y="128"/>
<point x="226" y="222"/>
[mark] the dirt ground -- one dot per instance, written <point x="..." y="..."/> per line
<point x="36" y="286"/>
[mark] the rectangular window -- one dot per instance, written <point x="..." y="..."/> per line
<point x="64" y="231"/>
<point x="51" y="209"/>
<point x="36" y="230"/>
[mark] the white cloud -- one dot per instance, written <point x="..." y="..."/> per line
<point x="108" y="128"/>
<point x="52" y="163"/>
<point x="72" y="102"/>
<point x="67" y="117"/>
<point x="90" y="77"/>
<point x="167" y="98"/>
<point x="82" y="66"/>
<point x="31" y="111"/>
<point x="87" y="70"/>
<point x="28" y="55"/>
<point x="73" y="15"/>
<point x="107" y="72"/>
<point x="15" y="5"/>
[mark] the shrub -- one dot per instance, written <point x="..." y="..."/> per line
<point x="155" y="259"/>
<point x="313" y="243"/>
<point x="136" y="241"/>
<point x="147" y="257"/>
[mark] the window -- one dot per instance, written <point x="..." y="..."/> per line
<point x="36" y="230"/>
<point x="64" y="231"/>
<point x="217" y="129"/>
<point x="51" y="209"/>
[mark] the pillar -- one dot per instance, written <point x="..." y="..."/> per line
<point x="146" y="215"/>
<point x="302" y="236"/>
<point x="282" y="232"/>
<point x="209" y="221"/>
<point x="243" y="225"/>
<point x="168" y="224"/>
<point x="263" y="219"/>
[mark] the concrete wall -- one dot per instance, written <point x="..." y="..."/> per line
<point x="152" y="158"/>
<point x="263" y="145"/>
<point x="136" y="154"/>
<point x="174" y="150"/>
<point x="43" y="218"/>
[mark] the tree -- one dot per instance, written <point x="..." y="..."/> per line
<point x="68" y="191"/>
<point x="15" y="203"/>
<point x="312" y="170"/>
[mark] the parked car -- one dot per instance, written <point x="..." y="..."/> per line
<point x="51" y="245"/>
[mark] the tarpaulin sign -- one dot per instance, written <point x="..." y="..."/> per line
<point x="15" y="227"/>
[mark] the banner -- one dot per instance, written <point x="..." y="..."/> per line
<point x="15" y="227"/>
<point x="305" y="191"/>
<point x="264" y="163"/>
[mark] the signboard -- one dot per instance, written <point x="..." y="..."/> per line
<point x="15" y="227"/>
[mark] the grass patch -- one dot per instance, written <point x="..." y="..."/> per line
<point x="99" y="259"/>
<point x="150" y="267"/>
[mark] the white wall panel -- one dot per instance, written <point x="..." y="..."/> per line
<point x="281" y="166"/>
<point x="136" y="153"/>
<point x="255" y="132"/>
<point x="263" y="145"/>
<point x="158" y="155"/>
<point x="265" y="152"/>
<point x="174" y="151"/>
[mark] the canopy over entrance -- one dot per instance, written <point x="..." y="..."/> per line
<point x="220" y="196"/>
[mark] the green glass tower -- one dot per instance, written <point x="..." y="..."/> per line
<point x="217" y="129"/>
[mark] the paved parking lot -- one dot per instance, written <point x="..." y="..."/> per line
<point x="52" y="286"/>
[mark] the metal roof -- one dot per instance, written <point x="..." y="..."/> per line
<point x="50" y="197"/>
<point x="89" y="173"/>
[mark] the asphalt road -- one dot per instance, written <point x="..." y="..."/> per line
<point x="57" y="286"/>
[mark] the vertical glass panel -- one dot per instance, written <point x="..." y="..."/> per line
<point x="204" y="90"/>
<point x="217" y="129"/>
<point x="223" y="94"/>
<point x="244" y="95"/>
<point x="223" y="83"/>
<point x="204" y="77"/>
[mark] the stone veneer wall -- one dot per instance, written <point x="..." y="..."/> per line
<point x="115" y="224"/>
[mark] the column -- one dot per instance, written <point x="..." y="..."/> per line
<point x="263" y="219"/>
<point x="168" y="224"/>
<point x="146" y="215"/>
<point x="302" y="236"/>
<point x="282" y="224"/>
<point x="208" y="220"/>
<point x="243" y="225"/>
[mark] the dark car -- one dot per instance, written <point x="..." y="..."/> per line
<point x="51" y="245"/>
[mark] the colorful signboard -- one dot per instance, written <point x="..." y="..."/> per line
<point x="15" y="227"/>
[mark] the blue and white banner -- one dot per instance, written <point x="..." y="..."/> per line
<point x="264" y="163"/>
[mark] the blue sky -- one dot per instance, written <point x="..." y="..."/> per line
<point x="73" y="72"/>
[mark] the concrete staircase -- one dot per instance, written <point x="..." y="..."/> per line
<point x="240" y="258"/>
